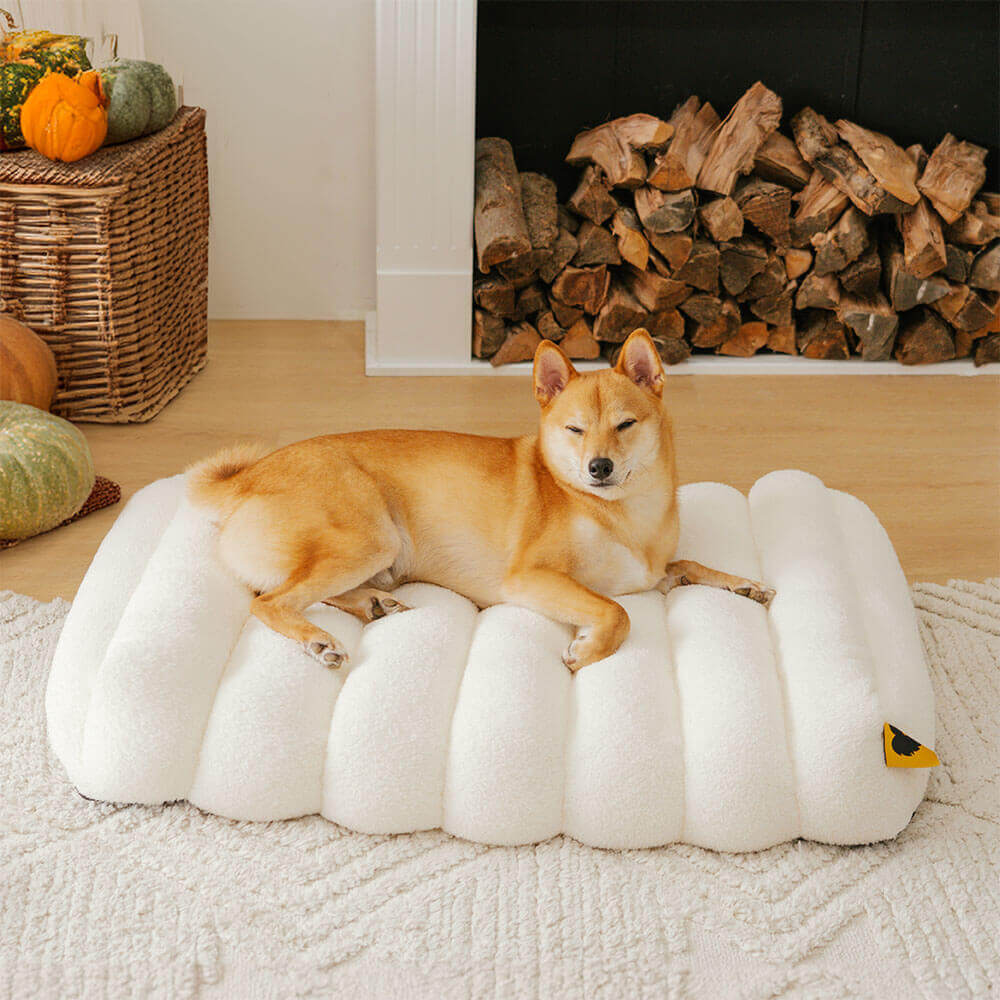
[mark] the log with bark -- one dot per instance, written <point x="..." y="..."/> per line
<point x="586" y="287"/>
<point x="617" y="146"/>
<point x="592" y="197"/>
<point x="768" y="206"/>
<point x="633" y="247"/>
<point x="905" y="290"/>
<point x="548" y="326"/>
<point x="579" y="343"/>
<point x="924" y="338"/>
<point x="620" y="315"/>
<point x="694" y="125"/>
<point x="779" y="160"/>
<point x="496" y="295"/>
<point x="701" y="269"/>
<point x="820" y="206"/>
<point x="776" y="309"/>
<point x="739" y="138"/>
<point x="500" y="227"/>
<point x="664" y="212"/>
<point x="954" y="173"/>
<point x="746" y="342"/>
<point x="781" y="340"/>
<point x="595" y="245"/>
<point x="488" y="333"/>
<point x="822" y="336"/>
<point x="520" y="344"/>
<point x="862" y="277"/>
<point x="563" y="250"/>
<point x="654" y="291"/>
<point x="841" y="245"/>
<point x="976" y="226"/>
<point x="721" y="219"/>
<point x="770" y="281"/>
<point x="739" y="261"/>
<point x="530" y="300"/>
<point x="819" y="143"/>
<point x="874" y="323"/>
<point x="817" y="291"/>
<point x="797" y="262"/>
<point x="985" y="269"/>
<point x="721" y="329"/>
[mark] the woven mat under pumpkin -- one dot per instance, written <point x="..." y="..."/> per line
<point x="104" y="494"/>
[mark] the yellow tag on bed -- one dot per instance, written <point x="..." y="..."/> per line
<point x="901" y="751"/>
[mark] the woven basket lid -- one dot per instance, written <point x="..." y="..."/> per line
<point x="108" y="166"/>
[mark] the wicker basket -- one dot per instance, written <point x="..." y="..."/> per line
<point x="107" y="260"/>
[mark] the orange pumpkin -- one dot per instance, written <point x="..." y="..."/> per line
<point x="65" y="119"/>
<point x="27" y="365"/>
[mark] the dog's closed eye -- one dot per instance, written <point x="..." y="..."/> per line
<point x="625" y="425"/>
<point x="574" y="430"/>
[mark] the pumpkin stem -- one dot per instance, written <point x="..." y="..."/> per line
<point x="113" y="36"/>
<point x="10" y="25"/>
<point x="91" y="79"/>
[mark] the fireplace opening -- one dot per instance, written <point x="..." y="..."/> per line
<point x="892" y="263"/>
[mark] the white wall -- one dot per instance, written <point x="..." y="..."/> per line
<point x="289" y="90"/>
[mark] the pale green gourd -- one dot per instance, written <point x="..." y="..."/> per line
<point x="141" y="98"/>
<point x="46" y="472"/>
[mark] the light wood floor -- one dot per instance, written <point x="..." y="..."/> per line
<point x="923" y="452"/>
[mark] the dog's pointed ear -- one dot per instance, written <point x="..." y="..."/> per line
<point x="640" y="362"/>
<point x="553" y="372"/>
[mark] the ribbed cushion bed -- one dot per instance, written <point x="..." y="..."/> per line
<point x="718" y="723"/>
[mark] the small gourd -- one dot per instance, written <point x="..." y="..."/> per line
<point x="27" y="365"/>
<point x="46" y="471"/>
<point x="141" y="98"/>
<point x="17" y="80"/>
<point x="65" y="119"/>
<point x="25" y="57"/>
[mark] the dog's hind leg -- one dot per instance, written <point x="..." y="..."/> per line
<point x="367" y="603"/>
<point x="684" y="571"/>
<point x="340" y="569"/>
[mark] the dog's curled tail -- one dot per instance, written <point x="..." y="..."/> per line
<point x="210" y="482"/>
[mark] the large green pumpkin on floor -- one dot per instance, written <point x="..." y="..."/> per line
<point x="46" y="472"/>
<point x="141" y="98"/>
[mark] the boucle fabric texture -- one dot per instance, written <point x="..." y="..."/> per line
<point x="98" y="900"/>
<point x="717" y="723"/>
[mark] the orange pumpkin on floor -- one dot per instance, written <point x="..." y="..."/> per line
<point x="27" y="365"/>
<point x="65" y="119"/>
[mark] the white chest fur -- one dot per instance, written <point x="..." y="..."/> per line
<point x="606" y="564"/>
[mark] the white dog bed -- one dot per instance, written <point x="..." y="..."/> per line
<point x="717" y="723"/>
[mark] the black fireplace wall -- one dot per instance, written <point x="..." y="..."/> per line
<point x="548" y="68"/>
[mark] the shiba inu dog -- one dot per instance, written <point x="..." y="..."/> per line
<point x="560" y="521"/>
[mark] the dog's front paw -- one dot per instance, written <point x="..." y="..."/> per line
<point x="756" y="592"/>
<point x="582" y="651"/>
<point x="329" y="652"/>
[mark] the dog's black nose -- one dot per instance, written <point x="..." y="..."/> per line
<point x="601" y="468"/>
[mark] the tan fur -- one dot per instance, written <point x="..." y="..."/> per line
<point x="346" y="517"/>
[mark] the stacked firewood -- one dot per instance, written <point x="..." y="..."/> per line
<point x="730" y="236"/>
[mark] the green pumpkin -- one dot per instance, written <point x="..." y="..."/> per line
<point x="141" y="98"/>
<point x="46" y="472"/>
<point x="16" y="81"/>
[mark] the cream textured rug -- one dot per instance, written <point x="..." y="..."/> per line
<point x="105" y="901"/>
